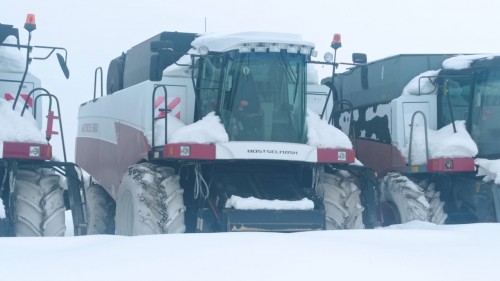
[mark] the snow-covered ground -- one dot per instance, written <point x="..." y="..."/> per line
<point x="413" y="251"/>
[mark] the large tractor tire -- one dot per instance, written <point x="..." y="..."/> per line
<point x="100" y="210"/>
<point x="341" y="198"/>
<point x="402" y="200"/>
<point x="437" y="214"/>
<point x="38" y="204"/>
<point x="150" y="201"/>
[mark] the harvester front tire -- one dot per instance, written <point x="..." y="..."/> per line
<point x="150" y="201"/>
<point x="341" y="198"/>
<point x="100" y="210"/>
<point x="402" y="200"/>
<point x="38" y="204"/>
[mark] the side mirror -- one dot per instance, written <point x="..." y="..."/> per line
<point x="155" y="69"/>
<point x="64" y="66"/>
<point x="359" y="58"/>
<point x="161" y="59"/>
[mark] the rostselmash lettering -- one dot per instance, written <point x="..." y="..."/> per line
<point x="272" y="151"/>
<point x="90" y="127"/>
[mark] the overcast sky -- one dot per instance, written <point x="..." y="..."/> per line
<point x="94" y="32"/>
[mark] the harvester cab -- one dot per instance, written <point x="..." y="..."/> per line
<point x="30" y="188"/>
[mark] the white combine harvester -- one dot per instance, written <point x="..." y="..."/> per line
<point x="239" y="151"/>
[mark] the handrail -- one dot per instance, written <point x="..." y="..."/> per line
<point x="411" y="136"/>
<point x="99" y="69"/>
<point x="153" y="114"/>
<point x="51" y="96"/>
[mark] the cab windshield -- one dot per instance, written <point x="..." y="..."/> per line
<point x="481" y="110"/>
<point x="485" y="129"/>
<point x="259" y="96"/>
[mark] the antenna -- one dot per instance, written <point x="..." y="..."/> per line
<point x="205" y="24"/>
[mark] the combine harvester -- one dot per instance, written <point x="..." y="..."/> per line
<point x="428" y="125"/>
<point x="239" y="150"/>
<point x="32" y="201"/>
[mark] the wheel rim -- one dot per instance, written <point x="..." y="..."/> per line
<point x="389" y="214"/>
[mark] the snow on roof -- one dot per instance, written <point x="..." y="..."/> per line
<point x="442" y="143"/>
<point x="17" y="128"/>
<point x="227" y="42"/>
<point x="11" y="58"/>
<point x="252" y="203"/>
<point x="464" y="61"/>
<point x="422" y="84"/>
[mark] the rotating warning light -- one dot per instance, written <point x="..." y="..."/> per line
<point x="30" y="23"/>
<point x="336" y="42"/>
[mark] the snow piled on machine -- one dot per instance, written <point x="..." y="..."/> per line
<point x="17" y="128"/>
<point x="11" y="58"/>
<point x="323" y="135"/>
<point x="252" y="203"/>
<point x="443" y="143"/>
<point x="206" y="131"/>
<point x="14" y="127"/>
<point x="209" y="130"/>
<point x="490" y="169"/>
<point x="465" y="61"/>
<point x="422" y="84"/>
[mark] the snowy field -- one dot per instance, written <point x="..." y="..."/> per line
<point x="413" y="251"/>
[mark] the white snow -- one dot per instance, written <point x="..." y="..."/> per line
<point x="2" y="209"/>
<point x="210" y="130"/>
<point x="443" y="143"/>
<point x="321" y="134"/>
<point x="172" y="125"/>
<point x="464" y="61"/>
<point x="15" y="128"/>
<point x="422" y="84"/>
<point x="220" y="42"/>
<point x="414" y="251"/>
<point x="490" y="169"/>
<point x="205" y="131"/>
<point x="11" y="58"/>
<point x="252" y="203"/>
<point x="181" y="68"/>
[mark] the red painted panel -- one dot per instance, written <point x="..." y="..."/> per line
<point x="196" y="151"/>
<point x="22" y="150"/>
<point x="330" y="155"/>
<point x="106" y="161"/>
<point x="381" y="157"/>
<point x="451" y="165"/>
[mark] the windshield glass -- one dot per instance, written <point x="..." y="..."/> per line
<point x="455" y="99"/>
<point x="262" y="95"/>
<point x="486" y="112"/>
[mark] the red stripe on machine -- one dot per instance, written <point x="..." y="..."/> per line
<point x="189" y="151"/>
<point x="331" y="155"/>
<point x="27" y="150"/>
<point x="451" y="165"/>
